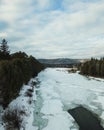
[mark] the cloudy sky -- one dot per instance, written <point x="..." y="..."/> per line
<point x="54" y="28"/>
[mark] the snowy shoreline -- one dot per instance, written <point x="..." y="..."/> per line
<point x="23" y="103"/>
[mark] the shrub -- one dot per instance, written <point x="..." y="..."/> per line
<point x="28" y="94"/>
<point x="12" y="119"/>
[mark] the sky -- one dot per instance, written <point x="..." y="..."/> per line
<point x="54" y="28"/>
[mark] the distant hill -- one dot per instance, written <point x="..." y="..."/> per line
<point x="60" y="62"/>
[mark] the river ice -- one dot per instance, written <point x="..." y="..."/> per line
<point x="61" y="91"/>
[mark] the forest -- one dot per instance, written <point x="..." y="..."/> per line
<point x="93" y="67"/>
<point x="15" y="70"/>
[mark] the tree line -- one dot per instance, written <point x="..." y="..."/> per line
<point x="93" y="67"/>
<point x="15" y="70"/>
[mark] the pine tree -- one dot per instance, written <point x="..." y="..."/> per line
<point x="4" y="48"/>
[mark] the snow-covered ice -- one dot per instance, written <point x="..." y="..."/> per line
<point x="61" y="91"/>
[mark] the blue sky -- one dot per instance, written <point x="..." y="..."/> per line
<point x="54" y="28"/>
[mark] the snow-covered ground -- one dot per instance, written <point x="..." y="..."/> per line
<point x="56" y="92"/>
<point x="23" y="103"/>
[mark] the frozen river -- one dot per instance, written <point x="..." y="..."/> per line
<point x="57" y="91"/>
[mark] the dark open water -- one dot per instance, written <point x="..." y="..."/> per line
<point x="85" y="119"/>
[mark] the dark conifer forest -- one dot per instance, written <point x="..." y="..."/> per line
<point x="93" y="67"/>
<point x="15" y="70"/>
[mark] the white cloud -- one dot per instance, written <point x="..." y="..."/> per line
<point x="42" y="5"/>
<point x="2" y="34"/>
<point x="35" y="27"/>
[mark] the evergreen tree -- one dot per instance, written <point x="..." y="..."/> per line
<point x="4" y="48"/>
